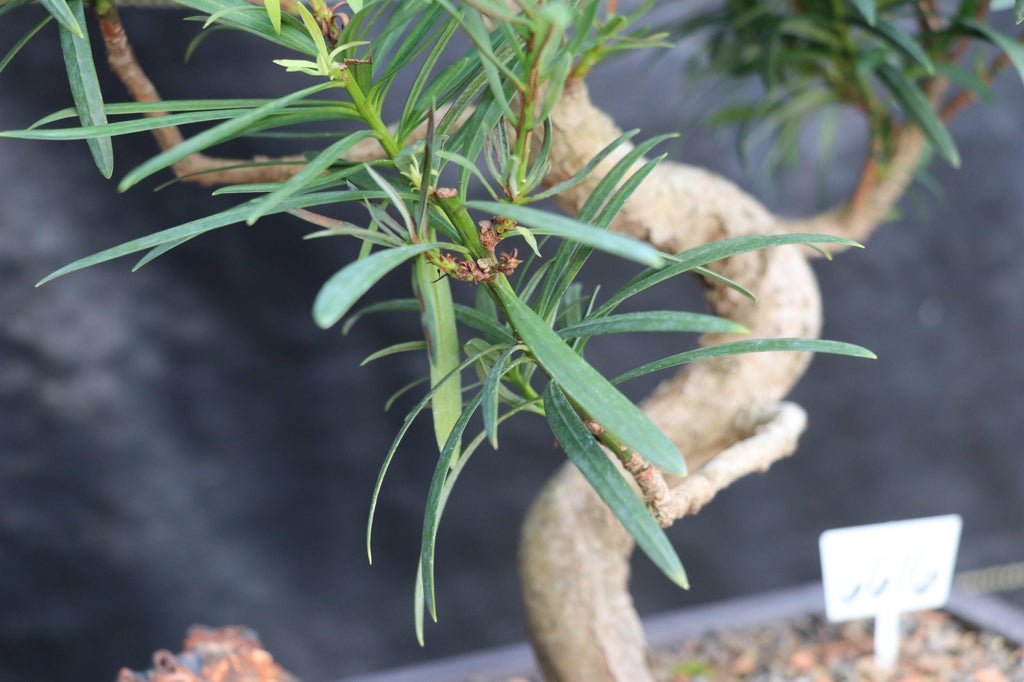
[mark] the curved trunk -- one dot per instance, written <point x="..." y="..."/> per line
<point x="574" y="555"/>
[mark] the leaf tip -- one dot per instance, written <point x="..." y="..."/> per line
<point x="49" y="278"/>
<point x="321" y="319"/>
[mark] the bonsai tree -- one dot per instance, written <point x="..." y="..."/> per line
<point x="495" y="118"/>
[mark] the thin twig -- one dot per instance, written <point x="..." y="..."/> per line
<point x="196" y="168"/>
<point x="774" y="439"/>
<point x="965" y="97"/>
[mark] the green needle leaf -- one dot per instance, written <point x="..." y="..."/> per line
<point x="66" y="15"/>
<point x="432" y="516"/>
<point x="311" y="170"/>
<point x="349" y="284"/>
<point x="182" y="233"/>
<point x="905" y="42"/>
<point x="491" y="392"/>
<point x="543" y="222"/>
<point x="867" y="9"/>
<point x="437" y="315"/>
<point x="581" y="448"/>
<point x="920" y="111"/>
<point x="85" y="86"/>
<point x="652" y="321"/>
<point x="406" y="423"/>
<point x="694" y="258"/>
<point x="587" y="388"/>
<point x="274" y="12"/>
<point x="22" y="42"/>
<point x="215" y="135"/>
<point x="394" y="349"/>
<point x="751" y="346"/>
<point x="1014" y="51"/>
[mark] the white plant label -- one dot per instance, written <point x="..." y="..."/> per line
<point x="885" y="569"/>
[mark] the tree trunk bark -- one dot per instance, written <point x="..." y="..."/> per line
<point x="574" y="555"/>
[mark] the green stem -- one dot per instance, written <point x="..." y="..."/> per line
<point x="372" y="117"/>
<point x="522" y="148"/>
<point x="463" y="224"/>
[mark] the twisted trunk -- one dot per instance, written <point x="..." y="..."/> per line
<point x="724" y="415"/>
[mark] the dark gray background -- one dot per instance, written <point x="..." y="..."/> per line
<point x="182" y="445"/>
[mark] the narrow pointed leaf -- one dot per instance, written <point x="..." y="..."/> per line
<point x="712" y="276"/>
<point x="402" y="391"/>
<point x="158" y="251"/>
<point x="617" y="200"/>
<point x="163" y="106"/>
<point x="490" y="394"/>
<point x="292" y="34"/>
<point x="905" y="42"/>
<point x="85" y="87"/>
<point x="406" y="423"/>
<point x="394" y="349"/>
<point x="652" y="321"/>
<point x="9" y="5"/>
<point x="215" y="135"/>
<point x="920" y="111"/>
<point x="587" y="387"/>
<point x="584" y="452"/>
<point x="417" y="604"/>
<point x="66" y="15"/>
<point x="709" y="253"/>
<point x="582" y="173"/>
<point x="1013" y="50"/>
<point x="432" y="516"/>
<point x="437" y="316"/>
<point x="311" y="170"/>
<point x="180" y="233"/>
<point x="396" y="200"/>
<point x="107" y="130"/>
<point x="171" y="235"/>
<point x="867" y="9"/>
<point x="751" y="346"/>
<point x="273" y="8"/>
<point x="22" y="42"/>
<point x="349" y="284"/>
<point x="543" y="222"/>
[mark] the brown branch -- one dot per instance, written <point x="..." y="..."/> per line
<point x="965" y="97"/>
<point x="196" y="168"/>
<point x="653" y="488"/>
<point x="199" y="168"/>
<point x="884" y="178"/>
<point x="774" y="439"/>
<point x="928" y="16"/>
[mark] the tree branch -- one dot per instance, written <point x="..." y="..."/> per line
<point x="965" y="97"/>
<point x="774" y="439"/>
<point x="199" y="168"/>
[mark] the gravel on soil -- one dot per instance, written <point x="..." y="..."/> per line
<point x="934" y="647"/>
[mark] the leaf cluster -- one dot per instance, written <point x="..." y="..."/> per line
<point x="472" y="120"/>
<point x="881" y="58"/>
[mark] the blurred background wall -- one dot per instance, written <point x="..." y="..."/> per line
<point x="182" y="445"/>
